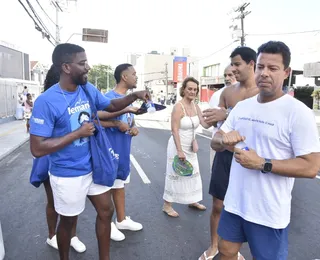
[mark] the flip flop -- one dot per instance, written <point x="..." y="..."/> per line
<point x="198" y="206"/>
<point x="208" y="257"/>
<point x="171" y="212"/>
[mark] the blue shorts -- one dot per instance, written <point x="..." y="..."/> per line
<point x="265" y="243"/>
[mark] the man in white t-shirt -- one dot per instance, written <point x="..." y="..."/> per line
<point x="229" y="80"/>
<point x="283" y="143"/>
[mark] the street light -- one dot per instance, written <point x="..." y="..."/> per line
<point x="92" y="35"/>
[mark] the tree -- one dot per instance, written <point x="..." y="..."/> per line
<point x="100" y="75"/>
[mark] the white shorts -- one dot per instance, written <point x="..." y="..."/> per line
<point x="70" y="193"/>
<point x="119" y="184"/>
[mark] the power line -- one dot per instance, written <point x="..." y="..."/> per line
<point x="215" y="52"/>
<point x="285" y="33"/>
<point x="45" y="12"/>
<point x="39" y="20"/>
<point x="37" y="27"/>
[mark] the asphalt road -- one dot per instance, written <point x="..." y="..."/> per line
<point x="22" y="212"/>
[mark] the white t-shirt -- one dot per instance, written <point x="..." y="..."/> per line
<point x="214" y="103"/>
<point x="281" y="129"/>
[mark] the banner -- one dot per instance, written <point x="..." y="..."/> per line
<point x="179" y="69"/>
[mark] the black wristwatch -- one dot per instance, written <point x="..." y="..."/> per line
<point x="267" y="167"/>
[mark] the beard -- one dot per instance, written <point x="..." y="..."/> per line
<point x="80" y="79"/>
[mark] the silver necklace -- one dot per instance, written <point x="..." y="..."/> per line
<point x="62" y="92"/>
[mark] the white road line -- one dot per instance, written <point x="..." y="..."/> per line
<point x="142" y="174"/>
<point x="13" y="158"/>
<point x="204" y="136"/>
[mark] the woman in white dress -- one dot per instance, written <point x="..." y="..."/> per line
<point x="185" y="118"/>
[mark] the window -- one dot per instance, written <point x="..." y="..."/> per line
<point x="212" y="70"/>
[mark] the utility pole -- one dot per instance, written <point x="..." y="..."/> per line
<point x="56" y="4"/>
<point x="243" y="14"/>
<point x="166" y="75"/>
<point x="58" y="9"/>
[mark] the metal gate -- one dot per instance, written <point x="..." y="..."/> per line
<point x="8" y="98"/>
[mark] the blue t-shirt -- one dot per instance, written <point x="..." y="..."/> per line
<point x="121" y="142"/>
<point x="57" y="113"/>
<point x="126" y="118"/>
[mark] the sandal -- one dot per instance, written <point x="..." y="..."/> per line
<point x="170" y="212"/>
<point x="197" y="206"/>
<point x="208" y="257"/>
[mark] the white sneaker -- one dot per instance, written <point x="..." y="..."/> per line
<point x="129" y="224"/>
<point x="53" y="242"/>
<point x="78" y="245"/>
<point x="116" y="235"/>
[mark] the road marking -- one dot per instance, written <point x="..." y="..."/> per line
<point x="10" y="131"/>
<point x="13" y="158"/>
<point x="204" y="136"/>
<point x="318" y="177"/>
<point x="142" y="174"/>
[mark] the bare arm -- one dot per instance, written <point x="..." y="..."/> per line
<point x="104" y="115"/>
<point x="217" y="144"/>
<point x="306" y="166"/>
<point x="201" y="118"/>
<point x="30" y="103"/>
<point x="121" y="103"/>
<point x="222" y="100"/>
<point x="41" y="146"/>
<point x="176" y="116"/>
<point x="214" y="115"/>
<point x="110" y="123"/>
<point x="118" y="104"/>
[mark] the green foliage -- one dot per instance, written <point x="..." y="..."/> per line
<point x="316" y="95"/>
<point x="98" y="75"/>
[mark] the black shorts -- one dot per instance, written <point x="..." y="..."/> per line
<point x="220" y="174"/>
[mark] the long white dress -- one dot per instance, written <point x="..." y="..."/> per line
<point x="181" y="189"/>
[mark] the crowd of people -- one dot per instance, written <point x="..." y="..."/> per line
<point x="262" y="140"/>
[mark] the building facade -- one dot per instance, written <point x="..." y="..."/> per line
<point x="13" y="62"/>
<point x="155" y="70"/>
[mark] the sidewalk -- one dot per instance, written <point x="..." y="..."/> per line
<point x="164" y="116"/>
<point x="12" y="135"/>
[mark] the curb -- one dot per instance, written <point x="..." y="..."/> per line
<point x="4" y="120"/>
<point x="13" y="148"/>
<point x="207" y="132"/>
<point x="151" y="119"/>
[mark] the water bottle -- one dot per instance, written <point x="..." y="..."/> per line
<point x="242" y="145"/>
<point x="150" y="107"/>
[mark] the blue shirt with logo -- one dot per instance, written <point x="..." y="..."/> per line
<point x="57" y="113"/>
<point x="121" y="142"/>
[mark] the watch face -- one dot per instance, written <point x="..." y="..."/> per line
<point x="267" y="167"/>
